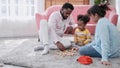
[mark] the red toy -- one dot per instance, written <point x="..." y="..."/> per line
<point x="86" y="60"/>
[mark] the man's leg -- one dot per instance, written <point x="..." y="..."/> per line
<point x="52" y="46"/>
<point x="66" y="42"/>
<point x="43" y="34"/>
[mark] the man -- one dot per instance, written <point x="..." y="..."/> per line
<point x="51" y="33"/>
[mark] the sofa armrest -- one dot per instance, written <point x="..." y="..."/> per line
<point x="91" y="28"/>
<point x="38" y="18"/>
<point x="114" y="19"/>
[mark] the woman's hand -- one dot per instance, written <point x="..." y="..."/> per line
<point x="105" y="63"/>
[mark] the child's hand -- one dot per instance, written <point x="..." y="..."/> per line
<point x="82" y="44"/>
<point x="105" y="63"/>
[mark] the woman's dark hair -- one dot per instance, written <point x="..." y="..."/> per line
<point x="99" y="9"/>
<point x="67" y="5"/>
<point x="84" y="18"/>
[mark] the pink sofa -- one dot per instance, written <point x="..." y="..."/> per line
<point x="78" y="9"/>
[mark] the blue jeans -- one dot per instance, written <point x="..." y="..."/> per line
<point x="88" y="50"/>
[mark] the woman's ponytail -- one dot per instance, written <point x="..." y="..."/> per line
<point x="99" y="9"/>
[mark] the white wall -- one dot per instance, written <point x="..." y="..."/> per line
<point x="41" y="6"/>
<point x="118" y="12"/>
<point x="12" y="27"/>
<point x="116" y="4"/>
<point x="91" y="2"/>
<point x="113" y="2"/>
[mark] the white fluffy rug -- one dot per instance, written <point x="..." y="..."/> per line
<point x="24" y="55"/>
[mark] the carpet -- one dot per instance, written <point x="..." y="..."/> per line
<point x="24" y="56"/>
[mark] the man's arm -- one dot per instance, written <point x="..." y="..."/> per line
<point x="72" y="22"/>
<point x="56" y="40"/>
<point x="52" y="26"/>
<point x="71" y="26"/>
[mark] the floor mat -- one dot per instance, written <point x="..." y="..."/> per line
<point x="24" y="55"/>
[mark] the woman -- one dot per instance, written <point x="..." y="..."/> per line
<point x="106" y="43"/>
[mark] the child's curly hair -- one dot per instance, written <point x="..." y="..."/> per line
<point x="84" y="18"/>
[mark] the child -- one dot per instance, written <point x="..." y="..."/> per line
<point x="106" y="43"/>
<point x="82" y="35"/>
